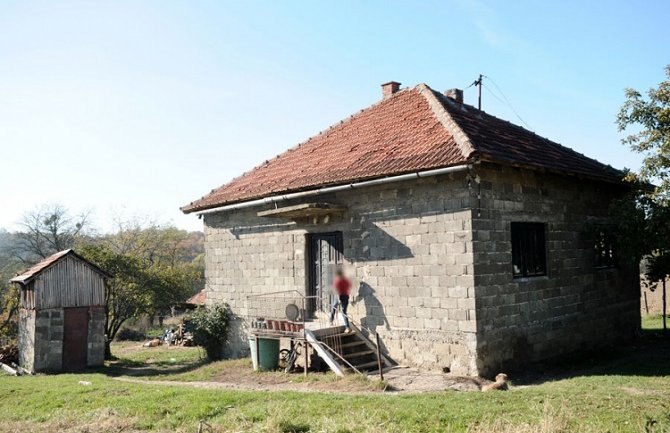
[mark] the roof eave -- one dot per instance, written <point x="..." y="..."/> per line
<point x="194" y="209"/>
<point x="23" y="279"/>
<point x="595" y="178"/>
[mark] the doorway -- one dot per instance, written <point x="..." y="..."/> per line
<point x="75" y="338"/>
<point x="324" y="255"/>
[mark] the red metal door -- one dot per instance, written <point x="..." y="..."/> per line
<point x="75" y="338"/>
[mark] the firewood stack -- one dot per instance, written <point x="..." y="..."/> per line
<point x="9" y="354"/>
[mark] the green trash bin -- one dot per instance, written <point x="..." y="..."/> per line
<point x="268" y="352"/>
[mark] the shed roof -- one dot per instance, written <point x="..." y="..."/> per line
<point x="197" y="299"/>
<point x="415" y="129"/>
<point x="30" y="273"/>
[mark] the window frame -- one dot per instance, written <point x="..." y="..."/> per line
<point x="523" y="235"/>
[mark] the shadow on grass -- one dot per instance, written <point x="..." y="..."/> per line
<point x="126" y="367"/>
<point x="648" y="356"/>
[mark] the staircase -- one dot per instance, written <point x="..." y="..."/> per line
<point x="342" y="351"/>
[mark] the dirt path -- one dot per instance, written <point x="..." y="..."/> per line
<point x="246" y="386"/>
<point x="400" y="381"/>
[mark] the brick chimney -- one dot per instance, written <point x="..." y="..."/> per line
<point x="455" y="94"/>
<point x="390" y="88"/>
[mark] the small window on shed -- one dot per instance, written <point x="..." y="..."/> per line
<point x="529" y="250"/>
<point x="604" y="249"/>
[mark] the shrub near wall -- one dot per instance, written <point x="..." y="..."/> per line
<point x="210" y="329"/>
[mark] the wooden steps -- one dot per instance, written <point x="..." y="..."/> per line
<point x="352" y="344"/>
<point x="342" y="351"/>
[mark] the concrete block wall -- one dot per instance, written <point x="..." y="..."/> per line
<point x="48" y="342"/>
<point x="96" y="337"/>
<point x="41" y="335"/>
<point x="408" y="247"/>
<point x="575" y="306"/>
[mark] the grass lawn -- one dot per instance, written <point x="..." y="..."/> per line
<point x="654" y="323"/>
<point x="629" y="393"/>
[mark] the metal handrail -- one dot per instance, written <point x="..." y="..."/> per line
<point x="338" y="355"/>
<point x="375" y="333"/>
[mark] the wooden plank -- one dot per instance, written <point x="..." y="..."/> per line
<point x="323" y="353"/>
<point x="355" y="343"/>
<point x="367" y="364"/>
<point x="71" y="282"/>
<point x="358" y="354"/>
<point x="9" y="370"/>
<point x="303" y="210"/>
<point x="369" y="343"/>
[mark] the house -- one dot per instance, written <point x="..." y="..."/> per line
<point x="466" y="235"/>
<point x="62" y="314"/>
<point x="197" y="300"/>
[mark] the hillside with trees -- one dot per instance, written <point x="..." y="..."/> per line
<point x="152" y="266"/>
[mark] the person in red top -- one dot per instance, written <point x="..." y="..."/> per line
<point x="341" y="287"/>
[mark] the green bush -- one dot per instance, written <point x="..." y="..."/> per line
<point x="210" y="329"/>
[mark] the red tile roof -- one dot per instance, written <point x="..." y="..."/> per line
<point x="414" y="129"/>
<point x="33" y="271"/>
<point x="197" y="299"/>
<point x="499" y="141"/>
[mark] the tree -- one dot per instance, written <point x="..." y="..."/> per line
<point x="9" y="293"/>
<point x="172" y="258"/>
<point x="125" y="293"/>
<point x="651" y="118"/>
<point x="649" y="234"/>
<point x="9" y="301"/>
<point x="140" y="282"/>
<point x="47" y="230"/>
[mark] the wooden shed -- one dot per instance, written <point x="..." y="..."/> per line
<point x="62" y="314"/>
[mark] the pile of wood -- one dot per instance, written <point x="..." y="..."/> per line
<point x="9" y="358"/>
<point x="179" y="336"/>
<point x="9" y="354"/>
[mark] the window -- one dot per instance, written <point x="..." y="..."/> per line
<point x="604" y="249"/>
<point x="529" y="250"/>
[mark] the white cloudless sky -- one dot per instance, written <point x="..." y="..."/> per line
<point x="139" y="107"/>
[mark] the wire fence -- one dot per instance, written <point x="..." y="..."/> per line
<point x="282" y="312"/>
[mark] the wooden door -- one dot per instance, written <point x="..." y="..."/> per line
<point x="75" y="338"/>
<point x="324" y="255"/>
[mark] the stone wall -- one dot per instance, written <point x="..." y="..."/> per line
<point x="41" y="338"/>
<point x="575" y="306"/>
<point x="408" y="246"/>
<point x="27" y="339"/>
<point x="96" y="337"/>
<point x="48" y="339"/>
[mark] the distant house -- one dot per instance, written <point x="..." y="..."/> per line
<point x="466" y="235"/>
<point x="62" y="314"/>
<point x="197" y="300"/>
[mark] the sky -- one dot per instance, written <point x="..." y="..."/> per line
<point x="131" y="108"/>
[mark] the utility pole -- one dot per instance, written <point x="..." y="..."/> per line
<point x="478" y="83"/>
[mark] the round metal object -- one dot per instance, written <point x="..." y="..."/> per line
<point x="292" y="312"/>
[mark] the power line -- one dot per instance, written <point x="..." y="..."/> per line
<point x="506" y="101"/>
<point x="471" y="84"/>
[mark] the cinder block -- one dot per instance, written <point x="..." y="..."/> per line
<point x="458" y="292"/>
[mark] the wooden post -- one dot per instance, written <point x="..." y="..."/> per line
<point x="665" y="325"/>
<point x="304" y="334"/>
<point x="258" y="351"/>
<point x="646" y="305"/>
<point x="306" y="356"/>
<point x="379" y="359"/>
